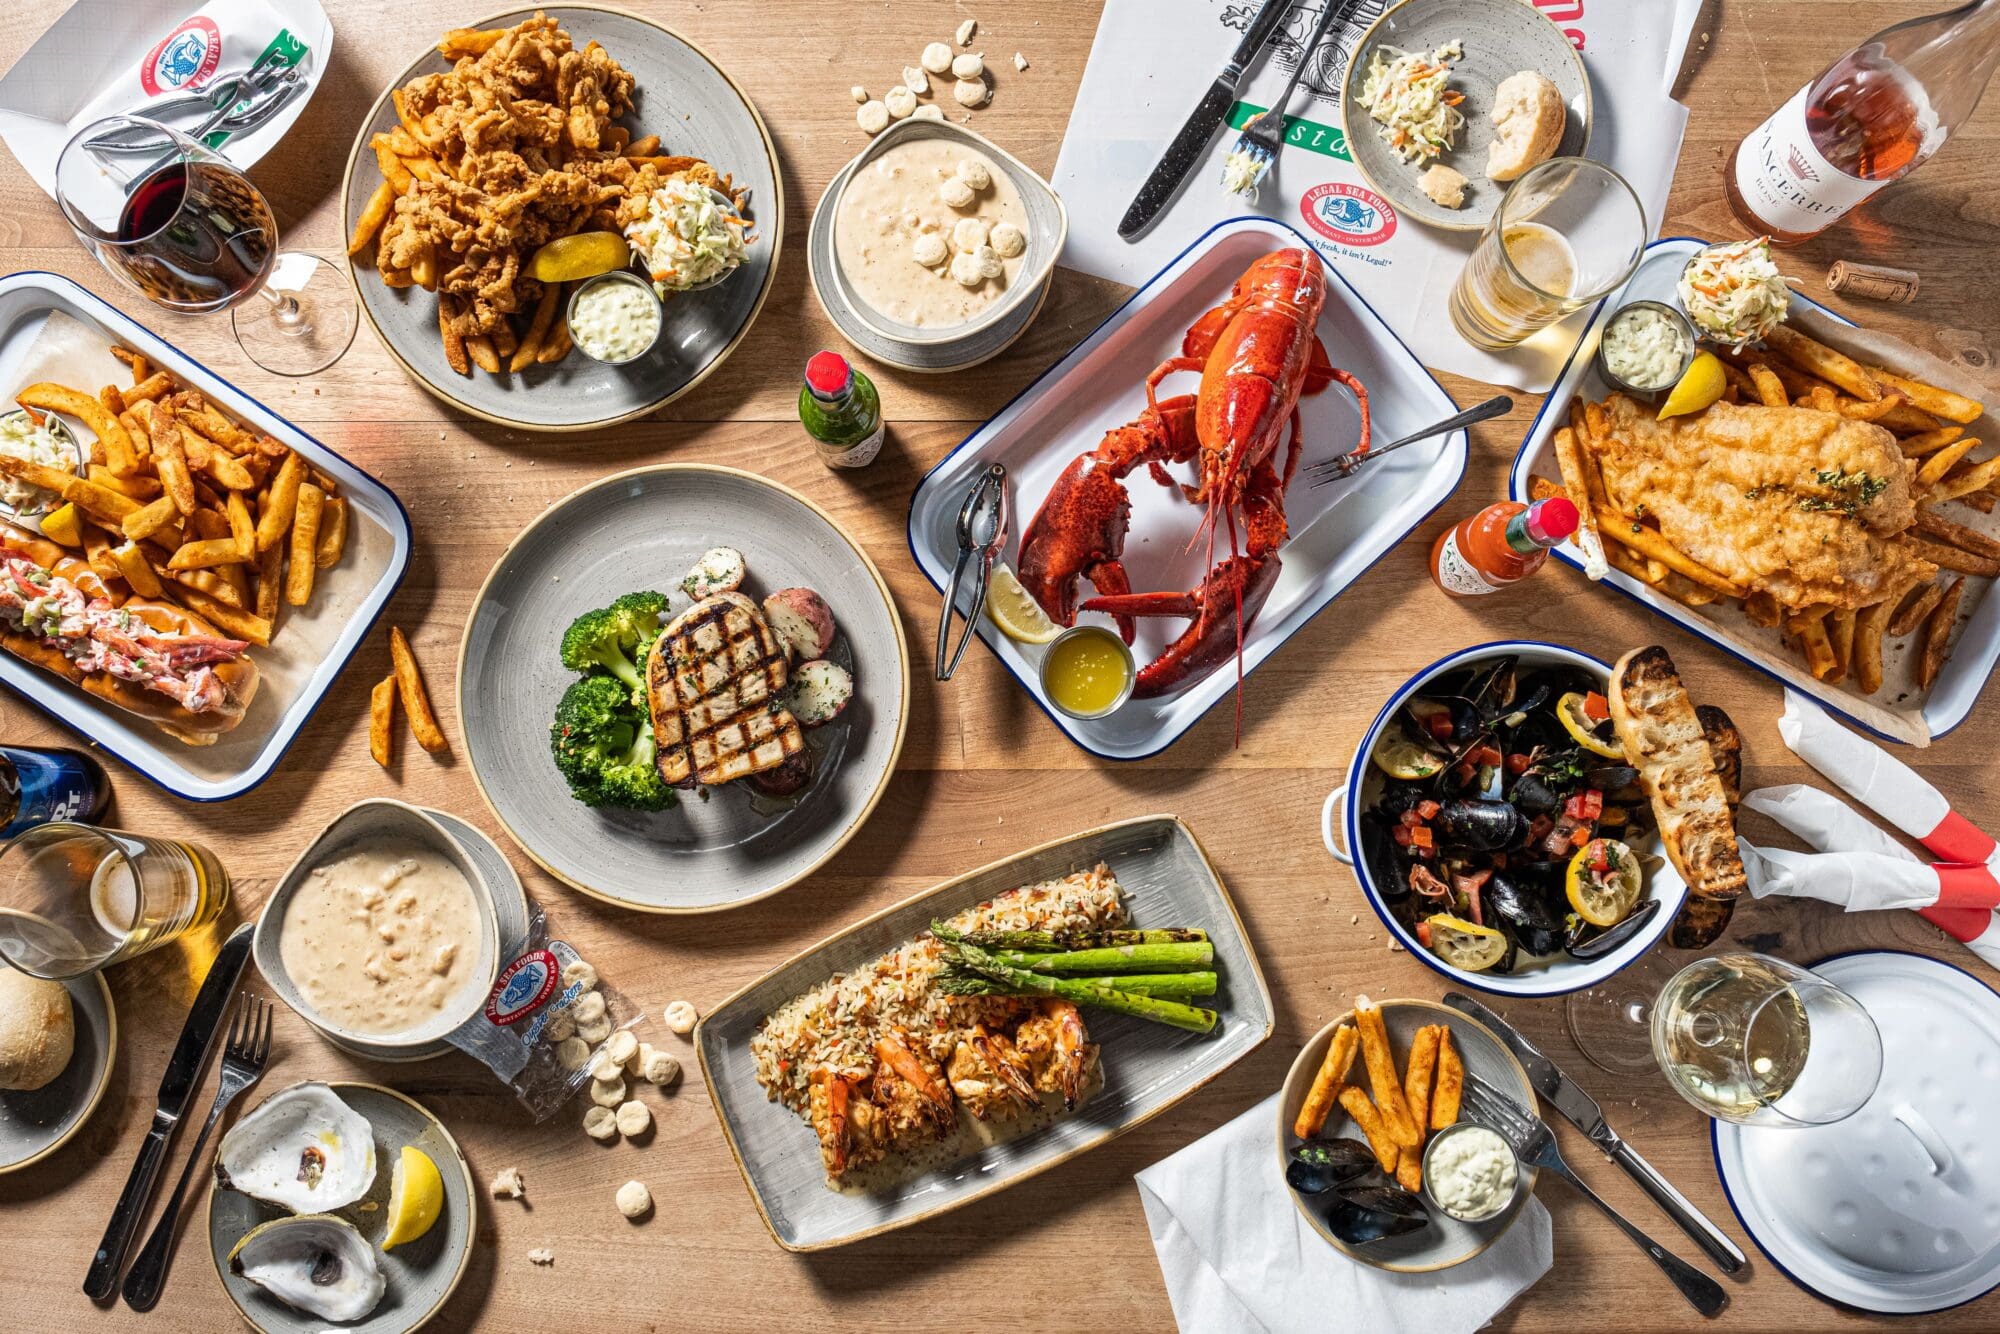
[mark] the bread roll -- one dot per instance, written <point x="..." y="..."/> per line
<point x="1527" y="122"/>
<point x="37" y="1030"/>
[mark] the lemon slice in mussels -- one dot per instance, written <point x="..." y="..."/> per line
<point x="1464" y="944"/>
<point x="1399" y="757"/>
<point x="1604" y="899"/>
<point x="1570" y="710"/>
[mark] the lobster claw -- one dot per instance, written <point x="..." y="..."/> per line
<point x="1222" y="609"/>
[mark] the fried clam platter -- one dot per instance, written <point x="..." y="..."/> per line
<point x="1799" y="504"/>
<point x="714" y="679"/>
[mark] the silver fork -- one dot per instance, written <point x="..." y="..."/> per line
<point x="243" y="1062"/>
<point x="1263" y="138"/>
<point x="1534" y="1143"/>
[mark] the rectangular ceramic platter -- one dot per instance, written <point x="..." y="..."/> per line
<point x="1337" y="531"/>
<point x="312" y="644"/>
<point x="1147" y="1067"/>
<point x="1972" y="659"/>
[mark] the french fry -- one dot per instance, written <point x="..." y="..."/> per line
<point x="1906" y="420"/>
<point x="410" y="686"/>
<point x="1836" y="368"/>
<point x="1966" y="481"/>
<point x="1868" y="646"/>
<point x="392" y="168"/>
<point x="35" y="474"/>
<point x="462" y="42"/>
<point x="270" y="582"/>
<point x="149" y="519"/>
<point x="1418" y="1077"/>
<point x="373" y="214"/>
<point x="216" y="460"/>
<point x="99" y="502"/>
<point x="1938" y="464"/>
<point x="274" y="521"/>
<point x="422" y="165"/>
<point x="556" y="346"/>
<point x="155" y="386"/>
<point x="423" y="269"/>
<point x="645" y="147"/>
<point x="97" y="551"/>
<point x="1569" y="458"/>
<point x="538" y="329"/>
<point x="1648" y="542"/>
<point x="1762" y="609"/>
<point x="480" y="348"/>
<point x="1840" y="629"/>
<point x="1797" y="383"/>
<point x="332" y="533"/>
<point x="381" y="716"/>
<point x="75" y="403"/>
<point x="454" y="345"/>
<point x="1950" y="557"/>
<point x="205" y="554"/>
<point x="1937" y="634"/>
<point x="505" y="344"/>
<point x="1913" y="611"/>
<point x="1381" y="1064"/>
<point x="1810" y="627"/>
<point x="233" y="621"/>
<point x="211" y="524"/>
<point x="1770" y="389"/>
<point x="1932" y="524"/>
<point x="136" y="571"/>
<point x="1355" y="1103"/>
<point x="1855" y="410"/>
<point x="134" y="486"/>
<point x="1327" y="1083"/>
<point x="1930" y="398"/>
<point x="305" y="545"/>
<point x="1450" y="1084"/>
<point x="142" y="444"/>
<point x="242" y="527"/>
<point x="1929" y="442"/>
<point x="170" y="458"/>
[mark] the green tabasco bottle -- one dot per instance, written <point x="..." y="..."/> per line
<point x="841" y="412"/>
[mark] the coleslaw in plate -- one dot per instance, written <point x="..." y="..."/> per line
<point x="1734" y="293"/>
<point x="1407" y="93"/>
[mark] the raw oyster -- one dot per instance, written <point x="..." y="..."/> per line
<point x="303" y="1149"/>
<point x="314" y="1262"/>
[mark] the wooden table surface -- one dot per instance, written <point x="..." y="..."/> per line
<point x="982" y="774"/>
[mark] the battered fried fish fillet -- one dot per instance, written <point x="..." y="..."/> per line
<point x="1798" y="504"/>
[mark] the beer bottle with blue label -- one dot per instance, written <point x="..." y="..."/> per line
<point x="37" y="786"/>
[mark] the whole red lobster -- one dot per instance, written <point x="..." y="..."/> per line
<point x="1257" y="354"/>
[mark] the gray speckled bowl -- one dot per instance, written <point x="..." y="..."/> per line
<point x="685" y="98"/>
<point x="35" y="1123"/>
<point x="422" y="1274"/>
<point x="1500" y="37"/>
<point x="644" y="529"/>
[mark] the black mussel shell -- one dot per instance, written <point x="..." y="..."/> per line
<point x="1582" y="946"/>
<point x="1387" y="865"/>
<point x="1322" y="1164"/>
<point x="1532" y="795"/>
<point x="1479" y="826"/>
<point x="1362" y="1214"/>
<point x="1525" y="913"/>
<point x="1611" y="777"/>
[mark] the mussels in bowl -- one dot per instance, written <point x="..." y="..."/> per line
<point x="1498" y="830"/>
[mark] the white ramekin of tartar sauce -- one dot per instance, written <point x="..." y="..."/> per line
<point x="1470" y="1173"/>
<point x="1646" y="347"/>
<point x="614" y="318"/>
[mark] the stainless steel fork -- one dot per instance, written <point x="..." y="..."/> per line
<point x="243" y="1062"/>
<point x="1534" y="1143"/>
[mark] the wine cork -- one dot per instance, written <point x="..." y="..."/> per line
<point x="1873" y="282"/>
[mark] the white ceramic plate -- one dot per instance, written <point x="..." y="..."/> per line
<point x="1447" y="1241"/>
<point x="1337" y="531"/>
<point x="695" y="108"/>
<point x="312" y="644"/>
<point x="644" y="529"/>
<point x="1147" y="1067"/>
<point x="35" y="1123"/>
<point x="422" y="1274"/>
<point x="1974" y="655"/>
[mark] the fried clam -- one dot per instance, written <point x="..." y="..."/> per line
<point x="315" y="1262"/>
<point x="303" y="1149"/>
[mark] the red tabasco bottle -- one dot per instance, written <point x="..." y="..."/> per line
<point x="1500" y="545"/>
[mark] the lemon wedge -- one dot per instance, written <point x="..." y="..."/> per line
<point x="1015" y="611"/>
<point x="1464" y="944"/>
<point x="1700" y="385"/>
<point x="1603" y="898"/>
<point x="585" y="255"/>
<point x="1569" y="709"/>
<point x="1400" y="757"/>
<point x="416" y="1197"/>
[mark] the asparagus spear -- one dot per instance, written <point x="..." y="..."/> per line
<point x="1052" y="941"/>
<point x="1097" y="991"/>
<point x="1136" y="958"/>
<point x="959" y="981"/>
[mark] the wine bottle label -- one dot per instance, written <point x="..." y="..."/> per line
<point x="1787" y="181"/>
<point x="857" y="455"/>
<point x="1456" y="574"/>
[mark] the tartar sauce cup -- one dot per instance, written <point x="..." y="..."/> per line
<point x="1111" y="639"/>
<point x="1500" y="1202"/>
<point x="631" y="279"/>
<point x="1681" y="324"/>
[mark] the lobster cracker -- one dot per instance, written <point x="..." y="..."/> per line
<point x="1258" y="354"/>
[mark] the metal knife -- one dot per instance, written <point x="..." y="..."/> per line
<point x="1191" y="143"/>
<point x="1581" y="1110"/>
<point x="183" y="1078"/>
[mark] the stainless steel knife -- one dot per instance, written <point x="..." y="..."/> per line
<point x="183" y="1078"/>
<point x="1581" y="1110"/>
<point x="1191" y="143"/>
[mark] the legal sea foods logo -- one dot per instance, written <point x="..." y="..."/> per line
<point x="184" y="58"/>
<point x="526" y="983"/>
<point x="1348" y="213"/>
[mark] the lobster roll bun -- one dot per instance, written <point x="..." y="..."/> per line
<point x="147" y="657"/>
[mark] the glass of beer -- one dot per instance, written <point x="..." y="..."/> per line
<point x="75" y="898"/>
<point x="1566" y="234"/>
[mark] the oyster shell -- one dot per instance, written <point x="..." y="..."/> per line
<point x="314" y="1262"/>
<point x="304" y="1149"/>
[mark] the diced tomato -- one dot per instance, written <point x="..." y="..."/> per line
<point x="1464" y="773"/>
<point x="1586" y="805"/>
<point x="1485" y="757"/>
<point x="1424" y="934"/>
<point x="1440" y="725"/>
<point x="1596" y="707"/>
<point x="1428" y="809"/>
<point x="1421" y="836"/>
<point x="1600" y="858"/>
<point x="1401" y="834"/>
<point x="1517" y="764"/>
<point x="1410" y="817"/>
<point x="1579" y="836"/>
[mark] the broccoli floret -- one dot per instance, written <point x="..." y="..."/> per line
<point x="613" y="638"/>
<point x="603" y="745"/>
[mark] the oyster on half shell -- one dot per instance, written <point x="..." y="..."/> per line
<point x="314" y="1262"/>
<point x="304" y="1149"/>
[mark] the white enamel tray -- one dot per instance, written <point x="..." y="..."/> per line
<point x="1337" y="531"/>
<point x="1972" y="658"/>
<point x="312" y="644"/>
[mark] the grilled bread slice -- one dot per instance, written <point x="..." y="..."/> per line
<point x="1701" y="921"/>
<point x="1664" y="737"/>
<point x="713" y="682"/>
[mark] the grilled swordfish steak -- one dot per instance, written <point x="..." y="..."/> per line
<point x="714" y="682"/>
